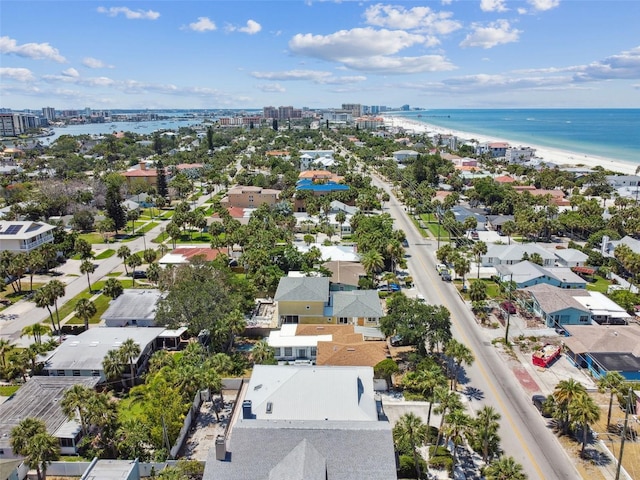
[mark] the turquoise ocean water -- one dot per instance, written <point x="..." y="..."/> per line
<point x="610" y="133"/>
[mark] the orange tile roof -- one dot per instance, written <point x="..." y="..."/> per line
<point x="504" y="179"/>
<point x="315" y="174"/>
<point x="277" y="153"/>
<point x="187" y="166"/>
<point x="141" y="173"/>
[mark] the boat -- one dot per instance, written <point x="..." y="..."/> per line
<point x="544" y="356"/>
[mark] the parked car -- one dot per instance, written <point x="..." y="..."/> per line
<point x="139" y="274"/>
<point x="508" y="307"/>
<point x="445" y="276"/>
<point x="405" y="243"/>
<point x="441" y="267"/>
<point x="392" y="287"/>
<point x="475" y="235"/>
<point x="539" y="402"/>
<point x="399" y="341"/>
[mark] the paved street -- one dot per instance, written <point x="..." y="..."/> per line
<point x="524" y="433"/>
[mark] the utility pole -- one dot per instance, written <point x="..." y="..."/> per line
<point x="624" y="434"/>
<point x="506" y="333"/>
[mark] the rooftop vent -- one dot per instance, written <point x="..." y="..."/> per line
<point x="269" y="407"/>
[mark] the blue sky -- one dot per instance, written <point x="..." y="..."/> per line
<point x="248" y="54"/>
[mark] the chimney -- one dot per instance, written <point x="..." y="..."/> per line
<point x="221" y="448"/>
<point x="246" y="410"/>
<point x="143" y="165"/>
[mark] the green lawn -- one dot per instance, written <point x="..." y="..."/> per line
<point x="92" y="237"/>
<point x="106" y="254"/>
<point x="8" y="292"/>
<point x="147" y="227"/>
<point x="101" y="303"/>
<point x="493" y="289"/>
<point x="600" y="285"/>
<point x="196" y="237"/>
<point x="8" y="390"/>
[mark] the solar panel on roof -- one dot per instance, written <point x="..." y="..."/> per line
<point x="12" y="229"/>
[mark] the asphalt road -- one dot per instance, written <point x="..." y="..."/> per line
<point x="524" y="434"/>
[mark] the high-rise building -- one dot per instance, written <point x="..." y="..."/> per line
<point x="49" y="113"/>
<point x="269" y="112"/>
<point x="14" y="124"/>
<point x="404" y="108"/>
<point x="355" y="108"/>
<point x="285" y="112"/>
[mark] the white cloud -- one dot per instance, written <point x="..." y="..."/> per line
<point x="493" y="6"/>
<point x="400" y="65"/>
<point x="91" y="62"/>
<point x="416" y="18"/>
<point x="272" y="88"/>
<point x="71" y="72"/>
<point x="542" y="5"/>
<point x="129" y="14"/>
<point x="358" y="42"/>
<point x="251" y="28"/>
<point x="315" y="76"/>
<point x="204" y="24"/>
<point x="496" y="33"/>
<point x="35" y="51"/>
<point x="19" y="74"/>
<point x="522" y="11"/>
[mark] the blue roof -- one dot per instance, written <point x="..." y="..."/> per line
<point x="306" y="184"/>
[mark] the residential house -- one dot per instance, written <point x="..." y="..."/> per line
<point x="527" y="274"/>
<point x="608" y="246"/>
<point x="341" y="253"/>
<point x="461" y="213"/>
<point x="134" y="308"/>
<point x="24" y="236"/>
<point x="82" y="355"/>
<point x="558" y="306"/>
<point x="39" y="397"/>
<point x="308" y="300"/>
<point x="345" y="275"/>
<point x="141" y="173"/>
<point x="183" y="255"/>
<point x="514" y="253"/>
<point x="519" y="154"/>
<point x="570" y="257"/>
<point x="494" y="149"/>
<point x="337" y="206"/>
<point x="557" y="196"/>
<point x="242" y="196"/>
<point x="602" y="349"/>
<point x="617" y="181"/>
<point x="310" y="423"/>
<point x="495" y="222"/>
<point x="401" y="156"/>
<point x="504" y="179"/>
<point x="343" y="345"/>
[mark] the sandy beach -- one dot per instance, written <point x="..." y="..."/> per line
<point x="546" y="154"/>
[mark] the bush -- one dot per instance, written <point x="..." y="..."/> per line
<point x="407" y="468"/>
<point x="442" y="463"/>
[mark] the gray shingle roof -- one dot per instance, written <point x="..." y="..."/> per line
<point x="302" y="289"/>
<point x="353" y="450"/>
<point x="553" y="299"/>
<point x="357" y="303"/>
<point x="304" y="462"/>
<point x="133" y="304"/>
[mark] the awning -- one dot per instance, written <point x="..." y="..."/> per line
<point x="584" y="270"/>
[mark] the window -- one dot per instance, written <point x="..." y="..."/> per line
<point x="584" y="318"/>
<point x="314" y="351"/>
<point x="277" y="351"/>
<point x="372" y="320"/>
<point x="76" y="373"/>
<point x="302" y="353"/>
<point x="343" y="320"/>
<point x="288" y="352"/>
<point x="66" y="442"/>
<point x="60" y="373"/>
<point x="95" y="373"/>
<point x="289" y="318"/>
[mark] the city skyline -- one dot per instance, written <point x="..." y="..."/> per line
<point x="249" y="54"/>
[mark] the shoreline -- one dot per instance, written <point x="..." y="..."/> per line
<point x="557" y="156"/>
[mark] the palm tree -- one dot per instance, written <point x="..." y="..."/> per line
<point x="112" y="365"/>
<point x="411" y="431"/>
<point x="30" y="439"/>
<point x="85" y="309"/>
<point x="5" y="348"/>
<point x="124" y="252"/>
<point x="461" y="266"/>
<point x="112" y="288"/>
<point x="36" y="331"/>
<point x="428" y="380"/>
<point x="479" y="249"/>
<point x="56" y="290"/>
<point x="74" y="403"/>
<point x="457" y="424"/>
<point x="478" y="291"/>
<point x="459" y="353"/>
<point x="584" y="411"/>
<point x="341" y="217"/>
<point x="87" y="267"/>
<point x="612" y="382"/>
<point x="43" y="299"/>
<point x="134" y="261"/>
<point x="564" y="393"/>
<point x="486" y="429"/>
<point x="372" y="261"/>
<point x="448" y="401"/>
<point x="130" y="351"/>
<point x="509" y="228"/>
<point x="262" y="353"/>
<point x="504" y="468"/>
<point x="153" y="272"/>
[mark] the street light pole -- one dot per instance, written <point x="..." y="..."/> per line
<point x="624" y="435"/>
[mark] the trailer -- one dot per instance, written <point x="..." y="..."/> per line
<point x="544" y="356"/>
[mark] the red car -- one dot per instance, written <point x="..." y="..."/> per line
<point x="508" y="307"/>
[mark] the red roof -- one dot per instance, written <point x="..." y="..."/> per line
<point x="504" y="179"/>
<point x="584" y="270"/>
